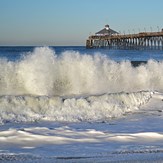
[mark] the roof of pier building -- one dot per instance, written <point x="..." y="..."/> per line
<point x="106" y="31"/>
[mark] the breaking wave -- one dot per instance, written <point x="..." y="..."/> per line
<point x="91" y="108"/>
<point x="43" y="72"/>
<point x="73" y="86"/>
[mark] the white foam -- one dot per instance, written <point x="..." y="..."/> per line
<point x="37" y="136"/>
<point x="43" y="72"/>
<point x="91" y="108"/>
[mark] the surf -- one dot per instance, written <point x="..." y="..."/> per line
<point x="43" y="72"/>
<point x="95" y="108"/>
<point x="74" y="87"/>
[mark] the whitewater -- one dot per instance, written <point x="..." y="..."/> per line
<point x="43" y="72"/>
<point x="52" y="103"/>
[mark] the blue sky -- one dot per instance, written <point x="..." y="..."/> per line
<point x="69" y="22"/>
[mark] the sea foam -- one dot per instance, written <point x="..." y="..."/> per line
<point x="43" y="72"/>
<point x="75" y="109"/>
<point x="73" y="87"/>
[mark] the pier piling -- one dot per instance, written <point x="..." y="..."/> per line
<point x="143" y="39"/>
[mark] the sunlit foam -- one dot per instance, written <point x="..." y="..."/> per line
<point x="91" y="108"/>
<point x="43" y="72"/>
<point x="73" y="86"/>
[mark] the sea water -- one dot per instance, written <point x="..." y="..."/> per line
<point x="79" y="92"/>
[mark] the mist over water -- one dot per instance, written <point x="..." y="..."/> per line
<point x="43" y="72"/>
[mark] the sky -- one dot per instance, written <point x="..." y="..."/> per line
<point x="70" y="22"/>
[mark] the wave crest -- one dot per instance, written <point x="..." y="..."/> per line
<point x="43" y="72"/>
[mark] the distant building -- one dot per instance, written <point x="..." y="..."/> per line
<point x="106" y="31"/>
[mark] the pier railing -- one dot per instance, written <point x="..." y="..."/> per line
<point x="143" y="39"/>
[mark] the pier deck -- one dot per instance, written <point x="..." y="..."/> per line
<point x="144" y="39"/>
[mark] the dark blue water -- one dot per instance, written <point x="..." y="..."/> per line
<point x="15" y="53"/>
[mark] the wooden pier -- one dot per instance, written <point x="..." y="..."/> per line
<point x="142" y="39"/>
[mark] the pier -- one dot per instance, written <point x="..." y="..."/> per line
<point x="110" y="38"/>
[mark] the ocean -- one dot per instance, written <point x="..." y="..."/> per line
<point x="72" y="104"/>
